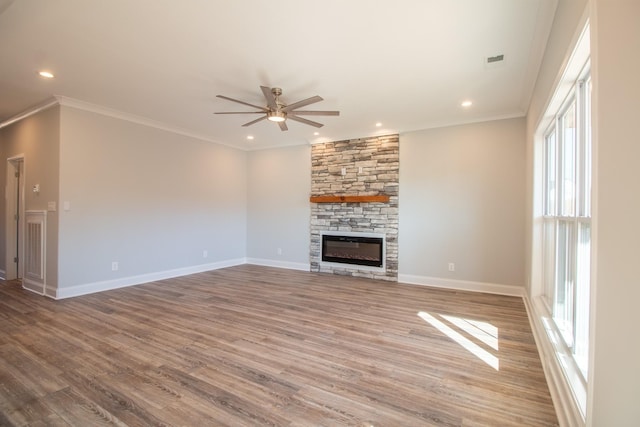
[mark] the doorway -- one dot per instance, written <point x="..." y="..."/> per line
<point x="14" y="218"/>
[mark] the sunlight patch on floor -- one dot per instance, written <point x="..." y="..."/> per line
<point x="482" y="331"/>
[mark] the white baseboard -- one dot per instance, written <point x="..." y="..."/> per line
<point x="123" y="282"/>
<point x="564" y="400"/>
<point x="89" y="288"/>
<point x="462" y="285"/>
<point x="279" y="264"/>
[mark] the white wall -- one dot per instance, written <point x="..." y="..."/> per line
<point x="149" y="199"/>
<point x="279" y="184"/>
<point x="615" y="364"/>
<point x="462" y="198"/>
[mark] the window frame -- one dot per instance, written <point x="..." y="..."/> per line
<point x="575" y="220"/>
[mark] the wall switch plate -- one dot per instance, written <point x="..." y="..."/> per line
<point x="452" y="266"/>
<point x="205" y="254"/>
<point x="114" y="266"/>
<point x="51" y="206"/>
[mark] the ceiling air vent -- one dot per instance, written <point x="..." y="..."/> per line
<point x="497" y="58"/>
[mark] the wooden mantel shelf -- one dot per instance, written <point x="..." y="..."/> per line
<point x="382" y="198"/>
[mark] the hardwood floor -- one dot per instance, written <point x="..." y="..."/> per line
<point x="251" y="345"/>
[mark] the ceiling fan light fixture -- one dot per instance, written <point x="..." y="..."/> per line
<point x="276" y="116"/>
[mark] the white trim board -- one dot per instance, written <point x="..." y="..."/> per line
<point x="301" y="266"/>
<point x="65" y="101"/>
<point x="462" y="285"/>
<point x="122" y="282"/>
<point x="109" y="112"/>
<point x="107" y="285"/>
<point x="564" y="399"/>
<point x="48" y="103"/>
<point x="35" y="287"/>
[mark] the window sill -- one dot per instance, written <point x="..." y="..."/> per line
<point x="567" y="388"/>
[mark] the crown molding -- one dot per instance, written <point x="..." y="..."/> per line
<point x="121" y="115"/>
<point x="65" y="101"/>
<point x="51" y="102"/>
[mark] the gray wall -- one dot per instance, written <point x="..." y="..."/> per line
<point x="37" y="138"/>
<point x="462" y="199"/>
<point x="279" y="183"/>
<point x="149" y="199"/>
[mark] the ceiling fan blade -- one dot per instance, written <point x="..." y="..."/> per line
<point x="305" y="121"/>
<point x="302" y="103"/>
<point x="315" y="113"/>
<point x="283" y="126"/>
<point x="254" y="121"/>
<point x="240" y="112"/>
<point x="242" y="102"/>
<point x="271" y="99"/>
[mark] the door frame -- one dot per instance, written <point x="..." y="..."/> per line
<point x="15" y="203"/>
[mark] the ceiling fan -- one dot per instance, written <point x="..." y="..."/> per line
<point x="278" y="112"/>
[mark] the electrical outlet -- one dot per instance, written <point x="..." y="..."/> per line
<point x="114" y="266"/>
<point x="205" y="254"/>
<point x="452" y="266"/>
<point x="279" y="251"/>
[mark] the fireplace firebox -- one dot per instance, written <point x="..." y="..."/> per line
<point x="358" y="250"/>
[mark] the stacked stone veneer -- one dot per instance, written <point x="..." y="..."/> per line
<point x="372" y="167"/>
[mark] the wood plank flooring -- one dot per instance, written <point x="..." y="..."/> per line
<point x="249" y="345"/>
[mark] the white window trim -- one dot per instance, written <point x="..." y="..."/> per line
<point x="566" y="383"/>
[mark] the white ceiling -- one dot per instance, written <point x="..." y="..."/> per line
<point x="407" y="63"/>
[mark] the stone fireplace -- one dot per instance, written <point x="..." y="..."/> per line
<point x="354" y="194"/>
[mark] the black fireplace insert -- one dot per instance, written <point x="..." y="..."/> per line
<point x="353" y="250"/>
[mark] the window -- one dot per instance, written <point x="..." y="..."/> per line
<point x="566" y="228"/>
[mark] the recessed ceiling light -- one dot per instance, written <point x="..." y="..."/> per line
<point x="250" y="137"/>
<point x="467" y="104"/>
<point x="378" y="124"/>
<point x="316" y="133"/>
<point x="46" y="74"/>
